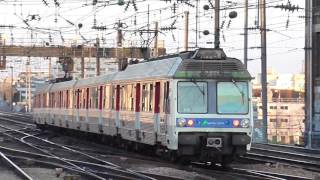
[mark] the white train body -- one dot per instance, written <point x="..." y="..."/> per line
<point x="195" y="104"/>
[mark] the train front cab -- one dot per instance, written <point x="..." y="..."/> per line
<point x="213" y="119"/>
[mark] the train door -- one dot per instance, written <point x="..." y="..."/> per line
<point x="88" y="99"/>
<point x="165" y="108"/>
<point x="137" y="111"/>
<point x="100" y="104"/>
<point x="77" y="105"/>
<point x="157" y="110"/>
<point x="118" y="124"/>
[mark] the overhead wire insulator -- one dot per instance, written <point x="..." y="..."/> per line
<point x="174" y="8"/>
<point x="135" y="20"/>
<point x="99" y="28"/>
<point x="50" y="38"/>
<point x="94" y="20"/>
<point x="134" y="4"/>
<point x="56" y="3"/>
<point x="288" y="7"/>
<point x="222" y="24"/>
<point x="62" y="38"/>
<point x="229" y="24"/>
<point x="168" y="28"/>
<point x="127" y="6"/>
<point x="189" y="4"/>
<point x="45" y="2"/>
<point x="174" y="22"/>
<point x="211" y="4"/>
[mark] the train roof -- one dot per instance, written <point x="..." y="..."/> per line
<point x="150" y="70"/>
<point x="43" y="88"/>
<point x="95" y="80"/>
<point x="204" y="63"/>
<point x="62" y="85"/>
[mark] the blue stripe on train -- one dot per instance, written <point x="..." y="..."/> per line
<point x="209" y="122"/>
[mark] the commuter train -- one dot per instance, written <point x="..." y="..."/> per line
<point x="194" y="105"/>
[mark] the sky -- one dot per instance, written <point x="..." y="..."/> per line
<point x="36" y="22"/>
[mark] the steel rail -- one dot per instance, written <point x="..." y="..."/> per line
<point x="45" y="152"/>
<point x="61" y="146"/>
<point x="288" y="160"/>
<point x="17" y="122"/>
<point x="17" y="169"/>
<point x="272" y="175"/>
<point x="297" y="148"/>
<point x="312" y="157"/>
<point x="54" y="165"/>
<point x="32" y="156"/>
<point x="69" y="149"/>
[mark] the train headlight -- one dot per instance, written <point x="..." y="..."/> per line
<point x="182" y="122"/>
<point x="245" y="123"/>
<point x="190" y="123"/>
<point x="236" y="123"/>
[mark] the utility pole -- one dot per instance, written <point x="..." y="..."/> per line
<point x="309" y="74"/>
<point x="186" y="30"/>
<point x="245" y="59"/>
<point x="121" y="61"/>
<point x="217" y="24"/>
<point x="82" y="63"/>
<point x="11" y="88"/>
<point x="97" y="56"/>
<point x="264" y="69"/>
<point x="197" y="19"/>
<point x="49" y="70"/>
<point x="156" y="39"/>
<point x="28" y="85"/>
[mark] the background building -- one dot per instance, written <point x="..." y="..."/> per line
<point x="286" y="108"/>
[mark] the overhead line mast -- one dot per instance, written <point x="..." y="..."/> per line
<point x="217" y="24"/>
<point x="263" y="31"/>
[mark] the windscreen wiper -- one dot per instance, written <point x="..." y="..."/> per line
<point x="201" y="90"/>
<point x="238" y="88"/>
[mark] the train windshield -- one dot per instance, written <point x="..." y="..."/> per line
<point x="232" y="97"/>
<point x="192" y="97"/>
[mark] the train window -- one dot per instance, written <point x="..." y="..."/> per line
<point x="151" y="97"/>
<point x="70" y="98"/>
<point x="94" y="98"/>
<point x="87" y="98"/>
<point x="77" y="96"/>
<point x="117" y="98"/>
<point x="130" y="98"/>
<point x="138" y="93"/>
<point x="106" y="98"/>
<point x="101" y="97"/>
<point x="113" y="97"/>
<point x="232" y="97"/>
<point x="67" y="99"/>
<point x="165" y="103"/>
<point x="60" y="99"/>
<point x="54" y="100"/>
<point x="84" y="97"/>
<point x="157" y="98"/>
<point x="123" y="97"/>
<point x="192" y="97"/>
<point x="144" y="103"/>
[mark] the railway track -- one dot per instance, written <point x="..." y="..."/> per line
<point x="94" y="167"/>
<point x="249" y="173"/>
<point x="19" y="172"/>
<point x="302" y="159"/>
<point x="287" y="148"/>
